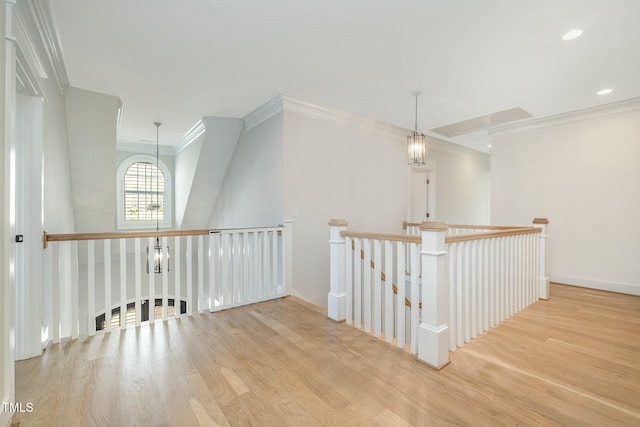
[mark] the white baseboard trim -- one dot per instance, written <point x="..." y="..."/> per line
<point x="622" y="288"/>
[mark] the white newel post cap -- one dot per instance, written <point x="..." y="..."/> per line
<point x="433" y="226"/>
<point x="338" y="223"/>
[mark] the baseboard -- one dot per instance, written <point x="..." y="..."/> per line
<point x="622" y="288"/>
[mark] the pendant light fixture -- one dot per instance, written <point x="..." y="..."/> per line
<point x="416" y="143"/>
<point x="157" y="247"/>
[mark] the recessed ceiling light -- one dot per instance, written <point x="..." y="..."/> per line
<point x="489" y="145"/>
<point x="573" y="34"/>
<point x="606" y="91"/>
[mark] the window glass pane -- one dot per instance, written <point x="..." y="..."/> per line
<point x="143" y="192"/>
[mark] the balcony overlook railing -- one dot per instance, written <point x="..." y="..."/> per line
<point x="436" y="287"/>
<point x="102" y="281"/>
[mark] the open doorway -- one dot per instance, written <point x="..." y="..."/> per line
<point x="421" y="197"/>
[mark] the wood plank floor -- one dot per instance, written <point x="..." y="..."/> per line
<point x="573" y="360"/>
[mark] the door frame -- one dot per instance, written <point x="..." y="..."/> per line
<point x="431" y="168"/>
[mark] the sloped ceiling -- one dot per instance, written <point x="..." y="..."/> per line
<point x="175" y="62"/>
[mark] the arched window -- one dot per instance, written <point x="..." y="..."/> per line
<point x="144" y="193"/>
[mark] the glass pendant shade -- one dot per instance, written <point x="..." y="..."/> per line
<point x="416" y="143"/>
<point x="416" y="148"/>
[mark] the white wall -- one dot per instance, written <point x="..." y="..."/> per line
<point x="584" y="177"/>
<point x="338" y="168"/>
<point x="186" y="163"/>
<point x="462" y="184"/>
<point x="252" y="191"/>
<point x="91" y="126"/>
<point x="59" y="215"/>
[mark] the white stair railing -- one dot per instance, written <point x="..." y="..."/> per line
<point x="100" y="281"/>
<point x="457" y="286"/>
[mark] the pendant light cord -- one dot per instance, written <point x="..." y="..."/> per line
<point x="157" y="180"/>
<point x="416" y="124"/>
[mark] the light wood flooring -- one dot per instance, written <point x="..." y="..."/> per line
<point x="572" y="361"/>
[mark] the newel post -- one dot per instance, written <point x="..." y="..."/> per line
<point x="543" y="279"/>
<point x="433" y="332"/>
<point x="336" y="301"/>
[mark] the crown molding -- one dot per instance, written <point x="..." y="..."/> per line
<point x="43" y="18"/>
<point x="192" y="134"/>
<point x="617" y="107"/>
<point x="308" y="108"/>
<point x="263" y="112"/>
<point x="321" y="111"/>
<point x="30" y="51"/>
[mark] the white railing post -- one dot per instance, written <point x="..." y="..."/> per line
<point x="543" y="279"/>
<point x="336" y="301"/>
<point x="433" y="333"/>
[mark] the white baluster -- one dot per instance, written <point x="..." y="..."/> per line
<point x="214" y="254"/>
<point x="202" y="303"/>
<point x="177" y="285"/>
<point x="415" y="296"/>
<point x="189" y="259"/>
<point x="75" y="303"/>
<point x="357" y="283"/>
<point x="255" y="250"/>
<point x="107" y="284"/>
<point x="388" y="291"/>
<point x="366" y="284"/>
<point x="91" y="288"/>
<point x="164" y="262"/>
<point x="138" y="280"/>
<point x="461" y="312"/>
<point x="274" y="262"/>
<point x="377" y="288"/>
<point x="400" y="285"/>
<point x="245" y="266"/>
<point x="473" y="286"/>
<point x="467" y="290"/>
<point x="123" y="283"/>
<point x="348" y="281"/>
<point x="152" y="279"/>
<point x="55" y="294"/>
<point x="266" y="265"/>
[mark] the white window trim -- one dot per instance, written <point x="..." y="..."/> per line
<point x="151" y="224"/>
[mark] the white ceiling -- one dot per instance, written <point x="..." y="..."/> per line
<point x="177" y="61"/>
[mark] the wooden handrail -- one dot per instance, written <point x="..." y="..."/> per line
<point x="46" y="238"/>
<point x="491" y="234"/>
<point x="381" y="236"/>
<point x="470" y="227"/>
<point x="499" y="232"/>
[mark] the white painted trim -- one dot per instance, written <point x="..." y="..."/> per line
<point x="31" y="50"/>
<point x="623" y="288"/>
<point x="167" y="222"/>
<point x="568" y="117"/>
<point x="43" y="18"/>
<point x="192" y="134"/>
<point x="312" y="109"/>
<point x="263" y="112"/>
<point x="320" y="111"/>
